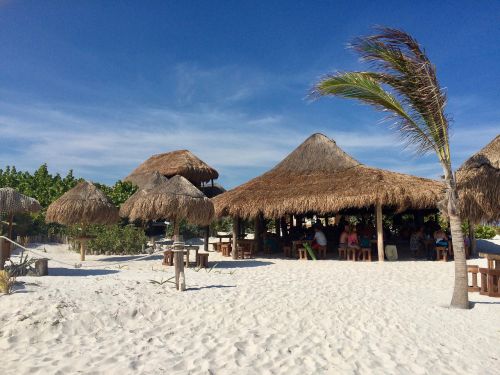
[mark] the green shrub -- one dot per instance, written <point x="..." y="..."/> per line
<point x="186" y="230"/>
<point x="117" y="239"/>
<point x="486" y="232"/>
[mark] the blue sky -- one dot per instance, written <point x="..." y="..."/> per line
<point x="99" y="86"/>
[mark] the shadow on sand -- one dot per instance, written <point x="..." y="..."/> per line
<point x="55" y="271"/>
<point x="130" y="257"/>
<point x="247" y="263"/>
<point x="211" y="287"/>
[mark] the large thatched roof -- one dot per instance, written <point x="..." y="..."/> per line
<point x="84" y="204"/>
<point x="478" y="181"/>
<point x="13" y="202"/>
<point x="176" y="198"/>
<point x="319" y="177"/>
<point x="146" y="180"/>
<point x="182" y="162"/>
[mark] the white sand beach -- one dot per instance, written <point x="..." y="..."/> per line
<point x="261" y="316"/>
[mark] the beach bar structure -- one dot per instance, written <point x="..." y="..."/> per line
<point x="478" y="183"/>
<point x="319" y="177"/>
<point x="181" y="162"/>
<point x="178" y="163"/>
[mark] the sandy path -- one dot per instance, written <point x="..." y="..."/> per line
<point x="263" y="316"/>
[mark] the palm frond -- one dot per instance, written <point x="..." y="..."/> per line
<point x="400" y="63"/>
<point x="365" y="87"/>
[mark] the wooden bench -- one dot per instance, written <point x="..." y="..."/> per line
<point x="490" y="282"/>
<point x="342" y="252"/>
<point x="244" y="251"/>
<point x="226" y="249"/>
<point x="287" y="251"/>
<point x="168" y="258"/>
<point x="473" y="270"/>
<point x="366" y="254"/>
<point x="352" y="253"/>
<point x="442" y="253"/>
<point x="302" y="253"/>
<point x="202" y="260"/>
<point x="321" y="252"/>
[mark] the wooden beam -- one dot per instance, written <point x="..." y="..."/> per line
<point x="236" y="224"/>
<point x="380" y="232"/>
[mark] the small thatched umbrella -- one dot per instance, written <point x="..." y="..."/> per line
<point x="478" y="182"/>
<point x="13" y="202"/>
<point x="175" y="199"/>
<point x="181" y="162"/>
<point x="83" y="205"/>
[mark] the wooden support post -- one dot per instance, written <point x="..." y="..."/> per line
<point x="258" y="234"/>
<point x="2" y="256"/>
<point x="380" y="232"/>
<point x="236" y="224"/>
<point x="82" y="249"/>
<point x="472" y="239"/>
<point x="206" y="238"/>
<point x="180" y="278"/>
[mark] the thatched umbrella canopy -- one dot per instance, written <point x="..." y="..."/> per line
<point x="181" y="162"/>
<point x="13" y="202"/>
<point x="146" y="180"/>
<point x="84" y="204"/>
<point x="320" y="177"/>
<point x="175" y="199"/>
<point x="478" y="182"/>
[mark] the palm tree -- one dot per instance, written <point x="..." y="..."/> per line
<point x="403" y="83"/>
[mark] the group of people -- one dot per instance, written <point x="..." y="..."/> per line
<point x="348" y="238"/>
<point x="420" y="241"/>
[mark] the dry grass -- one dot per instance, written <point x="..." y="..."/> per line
<point x="84" y="204"/>
<point x="319" y="177"/>
<point x="7" y="282"/>
<point x="181" y="162"/>
<point x="478" y="181"/>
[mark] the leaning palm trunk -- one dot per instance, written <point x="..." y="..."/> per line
<point x="417" y="104"/>
<point x="460" y="297"/>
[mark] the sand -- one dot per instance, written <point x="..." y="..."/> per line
<point x="261" y="316"/>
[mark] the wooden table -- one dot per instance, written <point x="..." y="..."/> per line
<point x="493" y="260"/>
<point x="490" y="277"/>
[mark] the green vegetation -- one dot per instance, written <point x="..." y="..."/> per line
<point x="117" y="239"/>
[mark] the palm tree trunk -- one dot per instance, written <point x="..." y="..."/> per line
<point x="460" y="297"/>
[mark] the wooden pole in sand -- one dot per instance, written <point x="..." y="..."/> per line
<point x="236" y="222"/>
<point x="206" y="238"/>
<point x="258" y="234"/>
<point x="82" y="249"/>
<point x="380" y="233"/>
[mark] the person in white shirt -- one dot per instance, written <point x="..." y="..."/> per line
<point x="319" y="238"/>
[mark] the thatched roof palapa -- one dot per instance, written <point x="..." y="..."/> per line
<point x="478" y="182"/>
<point x="174" y="199"/>
<point x="13" y="202"/>
<point x="146" y="180"/>
<point x="84" y="204"/>
<point x="320" y="177"/>
<point x="181" y="162"/>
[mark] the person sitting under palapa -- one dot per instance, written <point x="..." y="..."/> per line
<point x="319" y="242"/>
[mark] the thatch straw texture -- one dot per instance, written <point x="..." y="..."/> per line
<point x="478" y="182"/>
<point x="146" y="180"/>
<point x="319" y="177"/>
<point x="182" y="162"/>
<point x="13" y="202"/>
<point x="175" y="199"/>
<point x="84" y="204"/>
